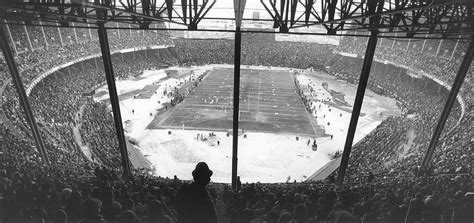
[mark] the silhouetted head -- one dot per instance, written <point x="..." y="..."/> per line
<point x="202" y="174"/>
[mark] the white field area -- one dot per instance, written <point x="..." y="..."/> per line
<point x="262" y="157"/>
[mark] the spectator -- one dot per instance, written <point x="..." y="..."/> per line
<point x="128" y="216"/>
<point x="193" y="201"/>
<point x="156" y="213"/>
<point x="91" y="209"/>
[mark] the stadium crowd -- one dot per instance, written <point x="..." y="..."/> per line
<point x="439" y="58"/>
<point x="74" y="189"/>
<point x="426" y="101"/>
<point x="49" y="54"/>
<point x="274" y="53"/>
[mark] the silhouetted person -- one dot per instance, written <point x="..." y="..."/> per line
<point x="193" y="201"/>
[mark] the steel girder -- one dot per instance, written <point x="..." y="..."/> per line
<point x="446" y="18"/>
<point x="138" y="12"/>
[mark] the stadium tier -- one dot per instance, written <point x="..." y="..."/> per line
<point x="83" y="184"/>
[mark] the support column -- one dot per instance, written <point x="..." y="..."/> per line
<point x="466" y="62"/>
<point x="408" y="45"/>
<point x="439" y="47"/>
<point x="44" y="35"/>
<point x="23" y="99"/>
<point x="424" y="42"/>
<point x="364" y="77"/>
<point x="75" y="33"/>
<point x="60" y="36"/>
<point x="455" y="47"/>
<point x="114" y="101"/>
<point x="235" y="119"/>
<point x="11" y="37"/>
<point x="90" y="32"/>
<point x="393" y="44"/>
<point x="118" y="30"/>
<point x="28" y="37"/>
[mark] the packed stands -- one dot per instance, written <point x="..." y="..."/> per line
<point x="381" y="184"/>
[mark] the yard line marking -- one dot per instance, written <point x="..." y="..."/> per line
<point x="258" y="94"/>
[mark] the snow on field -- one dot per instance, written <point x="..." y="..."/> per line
<point x="261" y="157"/>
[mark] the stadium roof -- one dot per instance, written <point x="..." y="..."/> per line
<point x="395" y="18"/>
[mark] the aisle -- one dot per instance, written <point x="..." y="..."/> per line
<point x="86" y="150"/>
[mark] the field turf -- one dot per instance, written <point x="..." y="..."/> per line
<point x="269" y="103"/>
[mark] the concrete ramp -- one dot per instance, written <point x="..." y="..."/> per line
<point x="326" y="170"/>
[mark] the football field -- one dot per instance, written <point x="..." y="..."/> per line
<point x="269" y="103"/>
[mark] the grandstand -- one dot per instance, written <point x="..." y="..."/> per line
<point x="107" y="118"/>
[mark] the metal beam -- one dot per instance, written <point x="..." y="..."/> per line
<point x="131" y="13"/>
<point x="435" y="35"/>
<point x="235" y="125"/>
<point x="114" y="101"/>
<point x="364" y="77"/>
<point x="466" y="62"/>
<point x="364" y="15"/>
<point x="23" y="98"/>
<point x="10" y="35"/>
<point x="410" y="14"/>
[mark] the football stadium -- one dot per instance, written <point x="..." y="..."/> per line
<point x="236" y="111"/>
